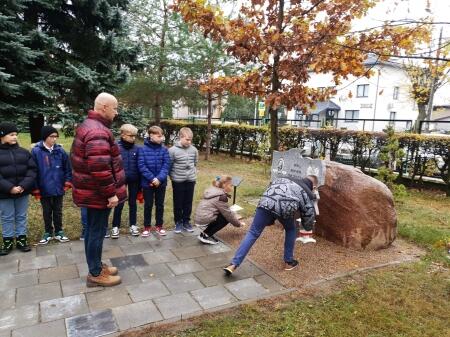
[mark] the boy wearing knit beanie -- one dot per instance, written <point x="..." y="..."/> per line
<point x="54" y="179"/>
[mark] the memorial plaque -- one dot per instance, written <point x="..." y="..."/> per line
<point x="291" y="164"/>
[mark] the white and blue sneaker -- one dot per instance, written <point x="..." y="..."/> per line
<point x="188" y="227"/>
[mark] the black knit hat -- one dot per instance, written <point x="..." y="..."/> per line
<point x="47" y="130"/>
<point x="7" y="128"/>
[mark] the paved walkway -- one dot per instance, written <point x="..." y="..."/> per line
<point x="43" y="292"/>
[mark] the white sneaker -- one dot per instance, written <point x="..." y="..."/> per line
<point x="306" y="239"/>
<point x="134" y="230"/>
<point x="145" y="233"/>
<point x="115" y="233"/>
<point x="206" y="239"/>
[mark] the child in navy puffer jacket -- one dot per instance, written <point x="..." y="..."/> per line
<point x="154" y="164"/>
<point x="54" y="179"/>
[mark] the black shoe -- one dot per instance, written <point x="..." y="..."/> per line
<point x="291" y="265"/>
<point x="229" y="270"/>
<point x="206" y="239"/>
<point x="22" y="243"/>
<point x="7" y="246"/>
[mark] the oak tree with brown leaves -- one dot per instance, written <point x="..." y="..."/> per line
<point x="283" y="40"/>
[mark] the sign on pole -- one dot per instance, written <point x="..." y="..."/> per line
<point x="261" y="109"/>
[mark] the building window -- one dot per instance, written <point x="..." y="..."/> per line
<point x="392" y="117"/>
<point x="362" y="90"/>
<point x="351" y="115"/>
<point x="395" y="95"/>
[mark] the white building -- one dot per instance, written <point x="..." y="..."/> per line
<point x="385" y="95"/>
<point x="182" y="111"/>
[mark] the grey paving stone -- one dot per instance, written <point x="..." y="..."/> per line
<point x="159" y="257"/>
<point x="147" y="290"/>
<point x="165" y="244"/>
<point x="53" y="249"/>
<point x="136" y="314"/>
<point x="247" y="269"/>
<point x="108" y="298"/>
<point x="77" y="247"/>
<point x="129" y="277"/>
<point x="38" y="293"/>
<point x="111" y="252"/>
<point x="123" y="240"/>
<point x="58" y="273"/>
<point x="10" y="266"/>
<point x="17" y="318"/>
<point x="137" y="248"/>
<point x="182" y="283"/>
<point x="188" y="241"/>
<point x="196" y="232"/>
<point x="213" y="297"/>
<point x="269" y="283"/>
<point x="19" y="280"/>
<point x="212" y="277"/>
<point x="154" y="271"/>
<point x="38" y="262"/>
<point x="131" y="261"/>
<point x="8" y="299"/>
<point x="219" y="248"/>
<point x="246" y="289"/>
<point x="98" y="323"/>
<point x="49" y="329"/>
<point x="185" y="266"/>
<point x="58" y="308"/>
<point x="215" y="260"/>
<point x="66" y="259"/>
<point x="176" y="305"/>
<point x="77" y="286"/>
<point x="82" y="269"/>
<point x="137" y="239"/>
<point x="5" y="334"/>
<point x="190" y="252"/>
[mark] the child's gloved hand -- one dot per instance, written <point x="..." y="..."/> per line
<point x="140" y="197"/>
<point x="67" y="186"/>
<point x="36" y="194"/>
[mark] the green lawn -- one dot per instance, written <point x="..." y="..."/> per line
<point x="407" y="301"/>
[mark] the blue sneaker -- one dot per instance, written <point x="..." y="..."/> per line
<point x="178" y="227"/>
<point x="188" y="227"/>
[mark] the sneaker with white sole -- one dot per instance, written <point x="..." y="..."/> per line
<point x="161" y="231"/>
<point x="188" y="227"/>
<point x="206" y="239"/>
<point x="115" y="233"/>
<point x="61" y="237"/>
<point x="291" y="265"/>
<point x="306" y="239"/>
<point x="46" y="238"/>
<point x="146" y="232"/>
<point x="107" y="235"/>
<point x="178" y="227"/>
<point x="134" y="230"/>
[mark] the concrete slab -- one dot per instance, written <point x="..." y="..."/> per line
<point x="154" y="271"/>
<point x="246" y="289"/>
<point x="8" y="299"/>
<point x="49" y="329"/>
<point x="159" y="257"/>
<point x="53" y="248"/>
<point x="136" y="314"/>
<point x="111" y="252"/>
<point x="218" y="260"/>
<point x="72" y="258"/>
<point x="108" y="298"/>
<point x="131" y="261"/>
<point x="123" y="240"/>
<point x="165" y="244"/>
<point x="212" y="277"/>
<point x="269" y="283"/>
<point x="177" y="305"/>
<point x="137" y="248"/>
<point x="98" y="323"/>
<point x="58" y="308"/>
<point x="18" y="280"/>
<point x="147" y="290"/>
<point x="185" y="266"/>
<point x="76" y="286"/>
<point x="188" y="241"/>
<point x="82" y="269"/>
<point x="58" y="273"/>
<point x="129" y="277"/>
<point x="9" y="267"/>
<point x="214" y="249"/>
<point x="190" y="252"/>
<point x="213" y="297"/>
<point x="38" y="293"/>
<point x="182" y="283"/>
<point x="39" y="262"/>
<point x="17" y="318"/>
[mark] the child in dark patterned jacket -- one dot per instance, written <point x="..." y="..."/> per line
<point x="282" y="200"/>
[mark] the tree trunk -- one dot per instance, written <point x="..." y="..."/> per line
<point x="35" y="122"/>
<point x="421" y="117"/>
<point x="208" y="130"/>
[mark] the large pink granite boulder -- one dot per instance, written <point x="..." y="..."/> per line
<point x="356" y="210"/>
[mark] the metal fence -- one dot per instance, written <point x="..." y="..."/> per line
<point x="439" y="127"/>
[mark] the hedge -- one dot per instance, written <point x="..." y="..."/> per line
<point x="425" y="155"/>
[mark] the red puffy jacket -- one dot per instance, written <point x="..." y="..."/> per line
<point x="97" y="168"/>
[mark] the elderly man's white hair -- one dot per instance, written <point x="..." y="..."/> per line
<point x="104" y="99"/>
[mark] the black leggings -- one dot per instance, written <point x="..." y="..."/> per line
<point x="216" y="225"/>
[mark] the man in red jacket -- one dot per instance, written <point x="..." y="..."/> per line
<point x="98" y="183"/>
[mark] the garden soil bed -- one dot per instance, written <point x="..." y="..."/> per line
<point x="318" y="262"/>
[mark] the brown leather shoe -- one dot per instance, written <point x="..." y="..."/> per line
<point x="102" y="280"/>
<point x="109" y="270"/>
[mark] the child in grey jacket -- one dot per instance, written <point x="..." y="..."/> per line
<point x="183" y="173"/>
<point x="214" y="211"/>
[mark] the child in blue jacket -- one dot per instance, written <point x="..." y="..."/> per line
<point x="154" y="164"/>
<point x="54" y="179"/>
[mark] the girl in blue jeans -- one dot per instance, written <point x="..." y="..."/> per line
<point x="281" y="201"/>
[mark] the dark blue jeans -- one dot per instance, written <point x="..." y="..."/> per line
<point x="83" y="211"/>
<point x="157" y="196"/>
<point x="133" y="189"/>
<point x="262" y="219"/>
<point x="97" y="224"/>
<point x="183" y="194"/>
